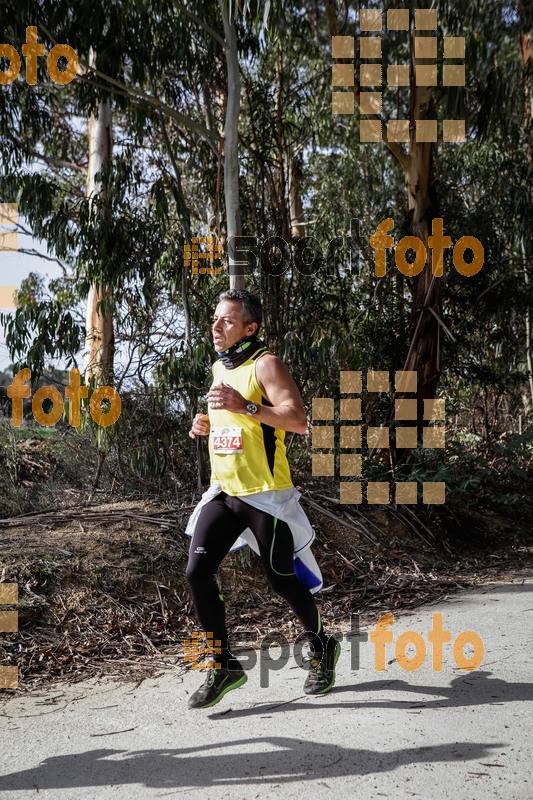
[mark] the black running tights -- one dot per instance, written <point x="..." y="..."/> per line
<point x="220" y="523"/>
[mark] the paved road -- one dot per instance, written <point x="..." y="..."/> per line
<point x="392" y="733"/>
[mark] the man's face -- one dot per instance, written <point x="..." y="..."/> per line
<point x="228" y="327"/>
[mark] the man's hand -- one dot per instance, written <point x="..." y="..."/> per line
<point x="200" y="426"/>
<point x="224" y="397"/>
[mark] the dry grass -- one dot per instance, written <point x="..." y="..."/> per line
<point x="101" y="588"/>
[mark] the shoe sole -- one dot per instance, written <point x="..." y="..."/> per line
<point x="219" y="697"/>
<point x="332" y="683"/>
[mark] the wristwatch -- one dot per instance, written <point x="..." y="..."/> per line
<point x="251" y="409"/>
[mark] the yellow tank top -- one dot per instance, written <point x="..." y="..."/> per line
<point x="262" y="465"/>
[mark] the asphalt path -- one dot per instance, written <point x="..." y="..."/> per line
<point x="394" y="732"/>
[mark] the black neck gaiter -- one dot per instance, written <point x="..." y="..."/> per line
<point x="240" y="352"/>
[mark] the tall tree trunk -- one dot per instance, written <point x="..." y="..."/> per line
<point x="213" y="207"/>
<point x="282" y="163"/>
<point x="231" y="140"/>
<point x="297" y="209"/>
<point x="425" y="352"/>
<point x="100" y="342"/>
<point x="185" y="217"/>
<point x="526" y="49"/>
<point x="202" y="475"/>
<point x="271" y="283"/>
<point x="332" y="19"/>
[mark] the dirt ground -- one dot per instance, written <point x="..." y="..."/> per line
<point x="102" y="588"/>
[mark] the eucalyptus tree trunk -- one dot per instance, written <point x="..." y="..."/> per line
<point x="425" y="351"/>
<point x="100" y="342"/>
<point x="271" y="278"/>
<point x="185" y="217"/>
<point x="297" y="209"/>
<point x="231" y="139"/>
<point x="202" y="462"/>
<point x="526" y="50"/>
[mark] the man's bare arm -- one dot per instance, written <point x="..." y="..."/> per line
<point x="287" y="412"/>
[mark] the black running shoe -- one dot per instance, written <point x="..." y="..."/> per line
<point x="321" y="676"/>
<point x="217" y="684"/>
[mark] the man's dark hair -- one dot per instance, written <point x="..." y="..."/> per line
<point x="250" y="305"/>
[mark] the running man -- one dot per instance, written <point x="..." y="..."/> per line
<point x="252" y="402"/>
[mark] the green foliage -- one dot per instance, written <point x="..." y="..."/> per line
<point x="163" y="70"/>
<point x="41" y="324"/>
<point x="481" y="477"/>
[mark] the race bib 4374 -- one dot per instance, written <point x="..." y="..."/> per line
<point x="226" y="440"/>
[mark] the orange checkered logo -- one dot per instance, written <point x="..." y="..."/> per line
<point x="9" y="623"/>
<point x="200" y="250"/>
<point x="201" y="644"/>
<point x="375" y="75"/>
<point x="351" y="431"/>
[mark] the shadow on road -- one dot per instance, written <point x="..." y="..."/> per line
<point x="476" y="688"/>
<point x="287" y="760"/>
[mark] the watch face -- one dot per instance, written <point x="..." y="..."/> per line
<point x="251" y="408"/>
